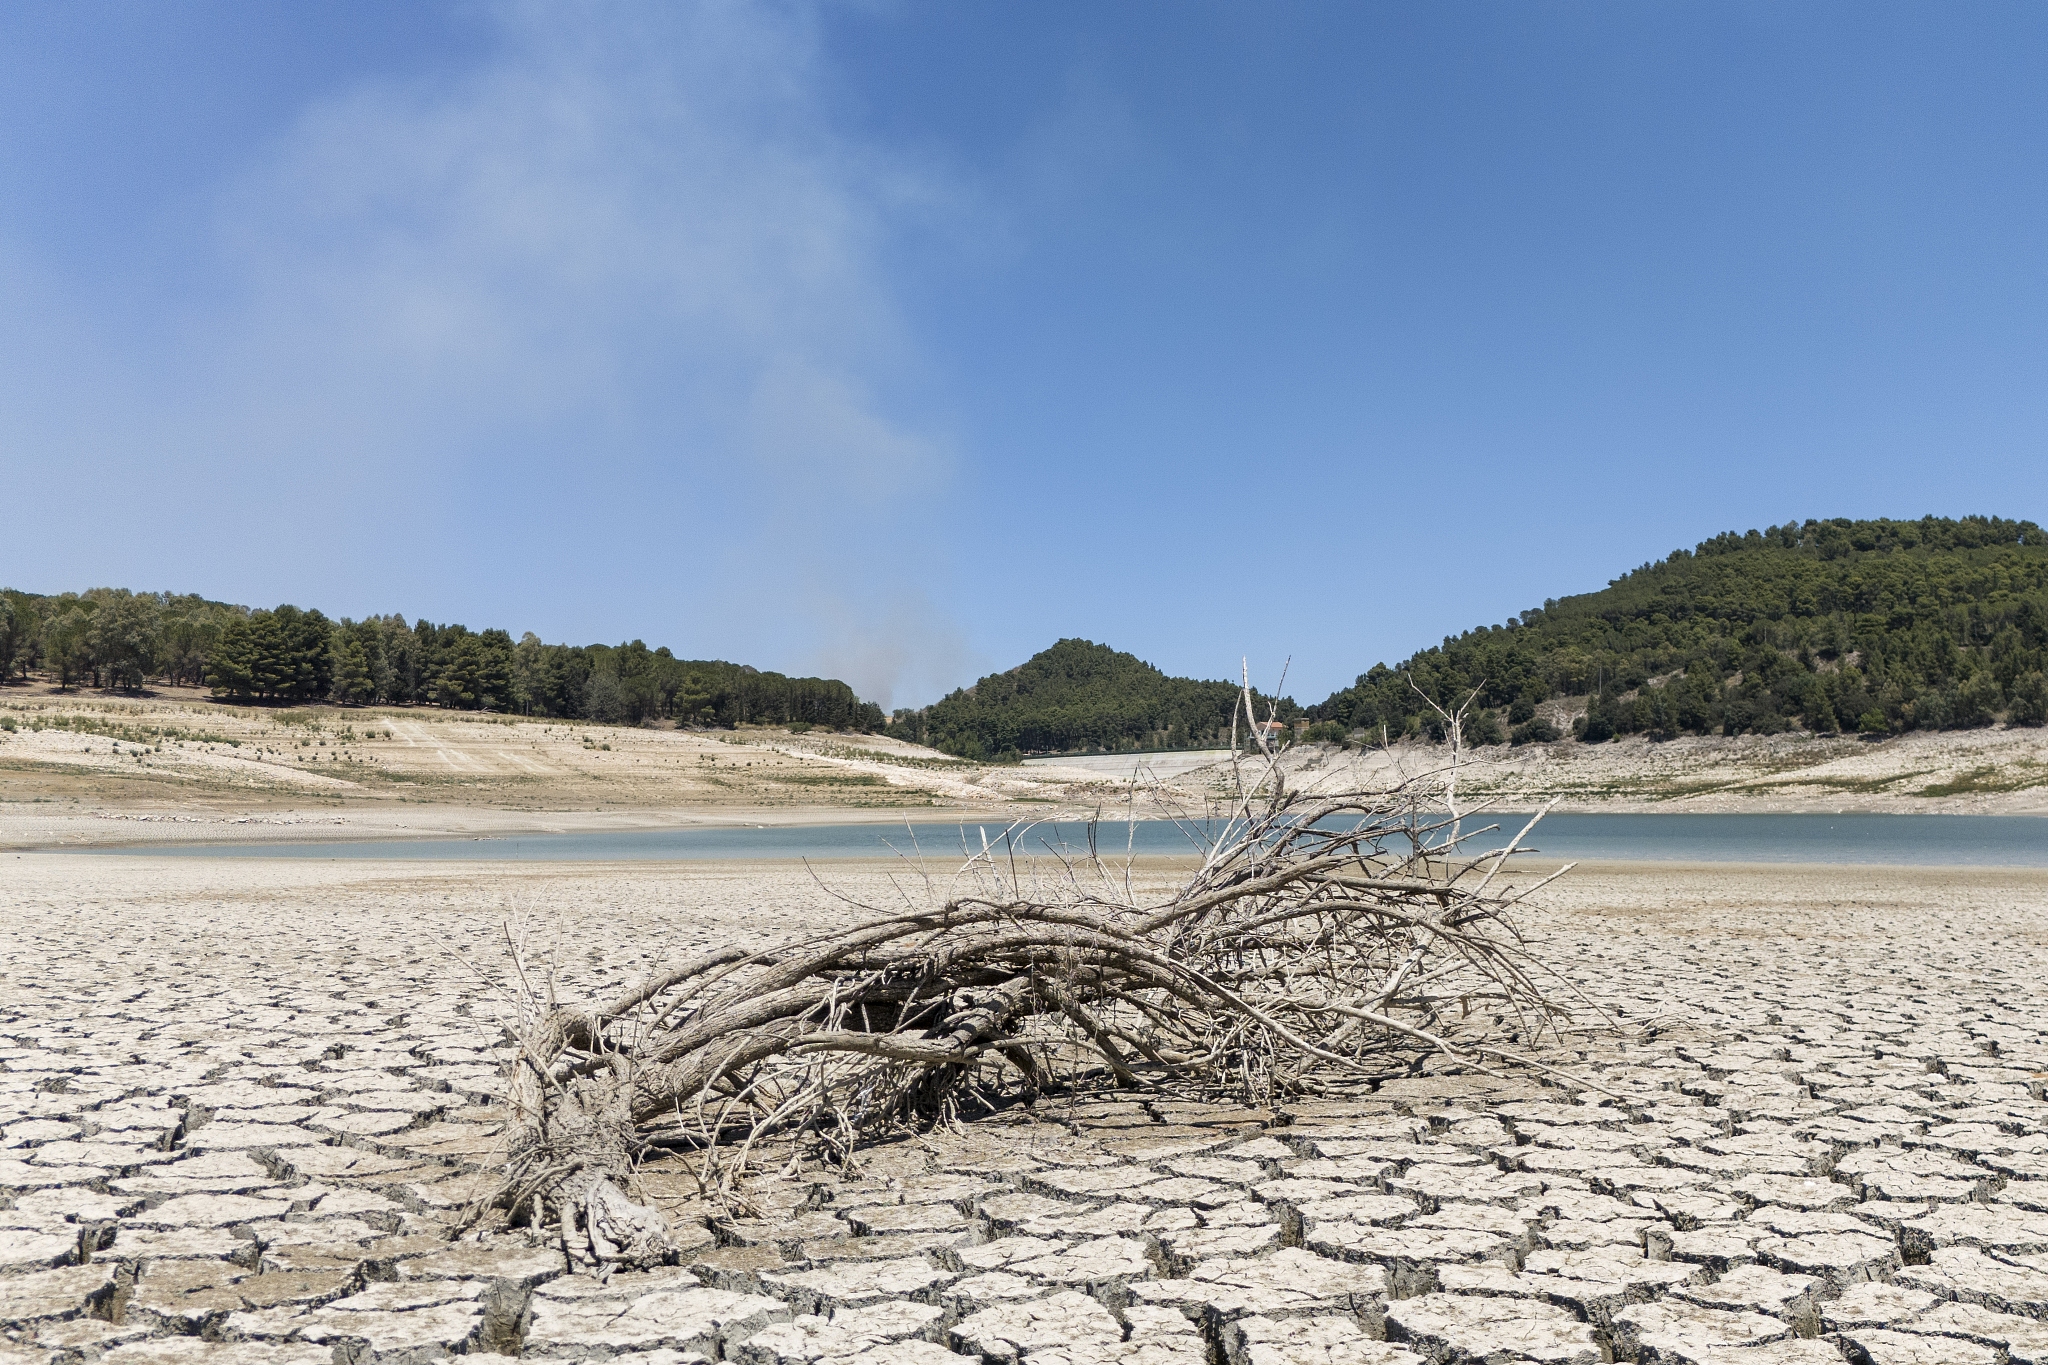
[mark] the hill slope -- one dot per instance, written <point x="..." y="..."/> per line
<point x="116" y="639"/>
<point x="1883" y="626"/>
<point x="1077" y="696"/>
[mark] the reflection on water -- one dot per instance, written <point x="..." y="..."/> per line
<point x="1986" y="840"/>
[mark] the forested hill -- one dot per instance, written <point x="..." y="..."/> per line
<point x="110" y="637"/>
<point x="1075" y="697"/>
<point x="1878" y="626"/>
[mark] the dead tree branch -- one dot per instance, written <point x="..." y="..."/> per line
<point x="1319" y="936"/>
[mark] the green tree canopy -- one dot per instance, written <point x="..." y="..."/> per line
<point x="1077" y="696"/>
<point x="111" y="637"/>
<point x="1927" y="623"/>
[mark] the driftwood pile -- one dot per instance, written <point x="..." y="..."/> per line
<point x="1319" y="935"/>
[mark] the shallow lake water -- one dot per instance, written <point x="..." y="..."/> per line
<point x="1982" y="840"/>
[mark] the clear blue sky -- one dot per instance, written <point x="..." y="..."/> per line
<point x="898" y="340"/>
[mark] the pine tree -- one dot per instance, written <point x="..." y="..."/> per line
<point x="2029" y="703"/>
<point x="231" y="669"/>
<point x="351" y="665"/>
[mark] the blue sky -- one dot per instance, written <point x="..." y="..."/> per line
<point x="897" y="340"/>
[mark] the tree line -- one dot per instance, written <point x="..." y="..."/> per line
<point x="1874" y="626"/>
<point x="1076" y="697"/>
<point x="117" y="639"/>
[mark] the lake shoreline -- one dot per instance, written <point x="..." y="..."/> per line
<point x="1678" y="839"/>
<point x="97" y="770"/>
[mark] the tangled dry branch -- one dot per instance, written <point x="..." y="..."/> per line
<point x="1318" y="936"/>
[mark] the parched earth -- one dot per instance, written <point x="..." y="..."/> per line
<point x="241" y="1100"/>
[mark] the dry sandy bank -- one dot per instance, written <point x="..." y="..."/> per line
<point x="90" y="769"/>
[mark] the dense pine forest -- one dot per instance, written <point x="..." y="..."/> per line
<point x="1075" y="697"/>
<point x="1878" y="627"/>
<point x="1872" y="626"/>
<point x="113" y="638"/>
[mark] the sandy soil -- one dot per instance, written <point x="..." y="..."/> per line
<point x="95" y="769"/>
<point x="108" y="769"/>
<point x="1997" y="771"/>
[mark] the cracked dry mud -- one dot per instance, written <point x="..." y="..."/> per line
<point x="239" y="1100"/>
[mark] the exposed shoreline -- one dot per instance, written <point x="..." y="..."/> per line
<point x="85" y="770"/>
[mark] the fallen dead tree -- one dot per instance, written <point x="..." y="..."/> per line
<point x="1318" y="937"/>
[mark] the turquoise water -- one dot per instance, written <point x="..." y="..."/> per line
<point x="1981" y="840"/>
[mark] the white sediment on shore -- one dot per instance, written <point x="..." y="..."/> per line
<point x="99" y="769"/>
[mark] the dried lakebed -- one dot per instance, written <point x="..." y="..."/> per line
<point x="240" y="1101"/>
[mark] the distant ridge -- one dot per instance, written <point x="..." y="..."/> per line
<point x="1877" y="626"/>
<point x="1874" y="626"/>
<point x="1076" y="697"/>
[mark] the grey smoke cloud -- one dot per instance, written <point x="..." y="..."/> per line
<point x="594" y="338"/>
